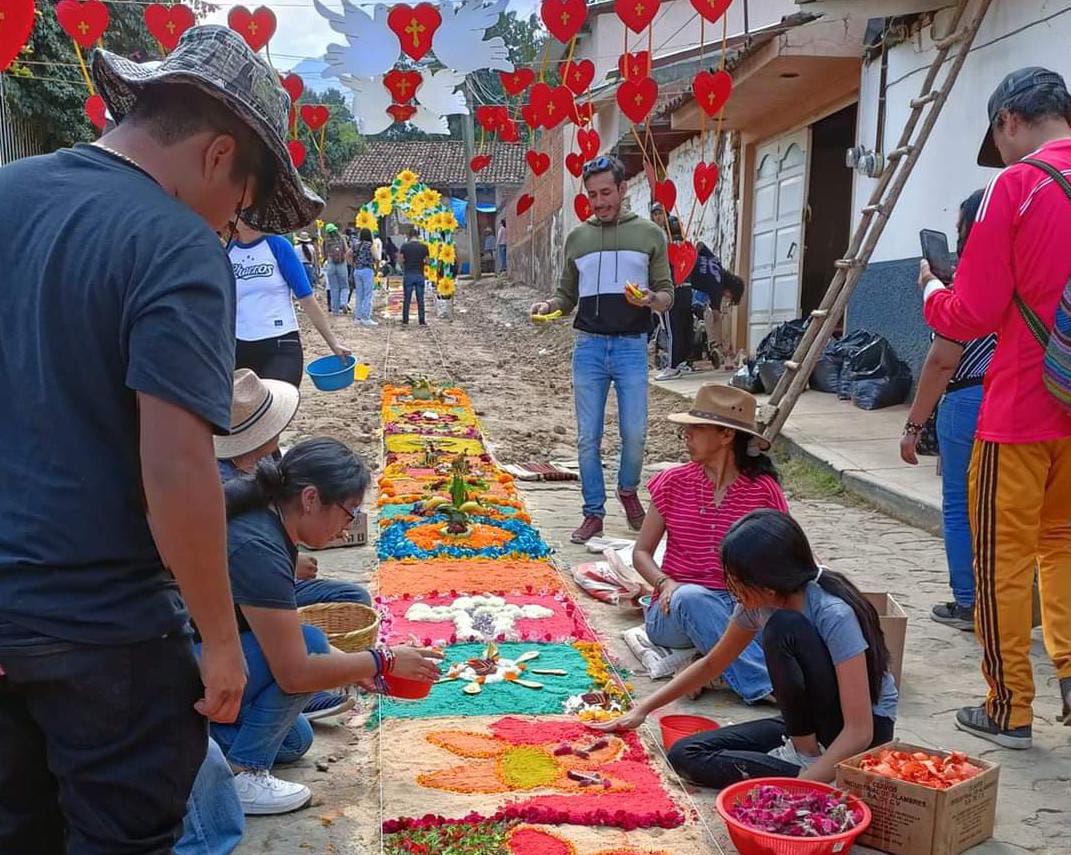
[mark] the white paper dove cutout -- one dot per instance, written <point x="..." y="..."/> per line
<point x="428" y="122"/>
<point x="370" y="102"/>
<point x="459" y="42"/>
<point x="371" y="47"/>
<point x="439" y="95"/>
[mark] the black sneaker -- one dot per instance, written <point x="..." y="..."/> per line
<point x="976" y="720"/>
<point x="954" y="615"/>
<point x="1065" y="694"/>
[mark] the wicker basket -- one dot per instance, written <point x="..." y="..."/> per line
<point x="351" y="627"/>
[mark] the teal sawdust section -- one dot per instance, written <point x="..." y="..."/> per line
<point x="395" y="510"/>
<point x="448" y="699"/>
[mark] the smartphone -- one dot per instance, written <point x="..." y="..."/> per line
<point x="935" y="251"/>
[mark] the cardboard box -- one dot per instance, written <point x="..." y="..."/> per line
<point x="893" y="620"/>
<point x="355" y="535"/>
<point x="909" y="819"/>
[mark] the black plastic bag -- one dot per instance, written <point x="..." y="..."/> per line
<point x="826" y="374"/>
<point x="874" y="392"/>
<point x="747" y="378"/>
<point x="770" y="371"/>
<point x="874" y="360"/>
<point x="781" y="342"/>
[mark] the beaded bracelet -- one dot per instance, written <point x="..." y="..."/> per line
<point x="377" y="679"/>
<point x="388" y="660"/>
<point x="913" y="428"/>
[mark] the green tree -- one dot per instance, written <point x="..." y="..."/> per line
<point x="45" y="89"/>
<point x="342" y="141"/>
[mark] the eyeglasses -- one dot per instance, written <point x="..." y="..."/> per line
<point x="352" y="513"/>
<point x="599" y="164"/>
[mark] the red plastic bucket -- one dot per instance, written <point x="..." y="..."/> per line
<point x="400" y="687"/>
<point x="676" y="727"/>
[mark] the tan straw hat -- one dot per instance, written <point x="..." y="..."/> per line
<point x="260" y="411"/>
<point x="724" y="406"/>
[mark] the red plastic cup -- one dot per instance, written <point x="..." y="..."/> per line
<point x="401" y="687"/>
<point x="676" y="727"/>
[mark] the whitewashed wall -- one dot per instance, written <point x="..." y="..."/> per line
<point x="1015" y="33"/>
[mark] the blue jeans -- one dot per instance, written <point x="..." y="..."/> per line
<point x="214" y="821"/>
<point x="501" y="257"/>
<point x="338" y="289"/>
<point x="270" y="728"/>
<point x="598" y="361"/>
<point x="957" y="419"/>
<point x="308" y="592"/>
<point x="413" y="283"/>
<point x="697" y="618"/>
<point x="364" y="279"/>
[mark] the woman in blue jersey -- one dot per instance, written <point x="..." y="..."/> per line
<point x="269" y="276"/>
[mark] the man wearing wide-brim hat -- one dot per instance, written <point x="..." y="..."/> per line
<point x="117" y="334"/>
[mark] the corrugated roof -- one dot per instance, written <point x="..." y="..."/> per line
<point x="438" y="162"/>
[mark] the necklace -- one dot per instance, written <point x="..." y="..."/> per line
<point x="121" y="156"/>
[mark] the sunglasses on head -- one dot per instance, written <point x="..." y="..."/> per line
<point x="599" y="164"/>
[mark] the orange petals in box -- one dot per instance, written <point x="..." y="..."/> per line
<point x="466" y="576"/>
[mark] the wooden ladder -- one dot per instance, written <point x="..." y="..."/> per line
<point x="900" y="162"/>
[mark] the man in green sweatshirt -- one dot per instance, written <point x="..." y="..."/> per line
<point x="602" y="255"/>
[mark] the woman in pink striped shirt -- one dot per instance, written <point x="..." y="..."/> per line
<point x="727" y="478"/>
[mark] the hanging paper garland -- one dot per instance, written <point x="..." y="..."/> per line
<point x="298" y="152"/>
<point x="589" y="143"/>
<point x="704" y="179"/>
<point x="414" y="27"/>
<point x="563" y="18"/>
<point x="83" y="20"/>
<point x="168" y="23"/>
<point x="538" y="162"/>
<point x="256" y="27"/>
<point x="712" y="90"/>
<point x="402" y="85"/>
<point x="15" y="29"/>
<point x="577" y="75"/>
<point x="294" y="86"/>
<point x="633" y="66"/>
<point x="574" y="162"/>
<point x="637" y="98"/>
<point x="636" y="14"/>
<point x="517" y="81"/>
<point x="665" y="192"/>
<point x="315" y="115"/>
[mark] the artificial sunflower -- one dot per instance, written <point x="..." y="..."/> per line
<point x="383" y="196"/>
<point x="366" y="220"/>
<point x="407" y="178"/>
<point x="449" y="222"/>
<point x="447" y="253"/>
<point x="433" y="250"/>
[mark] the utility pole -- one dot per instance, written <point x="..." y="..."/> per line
<point x="468" y="131"/>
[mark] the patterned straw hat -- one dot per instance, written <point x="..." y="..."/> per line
<point x="218" y="62"/>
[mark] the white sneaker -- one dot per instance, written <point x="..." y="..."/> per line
<point x="685" y="368"/>
<point x="668" y="374"/>
<point x="787" y="753"/>
<point x="371" y="323"/>
<point x="262" y="794"/>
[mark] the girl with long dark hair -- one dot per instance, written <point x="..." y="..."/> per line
<point x="308" y="497"/>
<point x="365" y="259"/>
<point x="728" y="476"/>
<point x="825" y="653"/>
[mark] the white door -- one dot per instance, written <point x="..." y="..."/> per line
<point x="777" y="233"/>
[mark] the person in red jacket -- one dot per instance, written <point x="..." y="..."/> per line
<point x="1020" y="477"/>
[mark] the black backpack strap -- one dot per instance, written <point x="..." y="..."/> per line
<point x="1054" y="173"/>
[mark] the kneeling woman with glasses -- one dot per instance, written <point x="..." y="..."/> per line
<point x="825" y="653"/>
<point x="308" y="497"/>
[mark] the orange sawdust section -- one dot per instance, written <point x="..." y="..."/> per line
<point x="431" y="536"/>
<point x="466" y="576"/>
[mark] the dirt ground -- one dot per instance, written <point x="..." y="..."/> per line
<point x="518" y="371"/>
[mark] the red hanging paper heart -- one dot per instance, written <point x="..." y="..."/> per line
<point x="574" y="162"/>
<point x="636" y="14"/>
<point x="704" y="180"/>
<point x="563" y="18"/>
<point x="95" y="108"/>
<point x="712" y="90"/>
<point x="682" y="258"/>
<point x="538" y="162"/>
<point x="559" y="106"/>
<point x="85" y="22"/>
<point x="633" y="66"/>
<point x="15" y="29"/>
<point x="256" y="27"/>
<point x="517" y="81"/>
<point x="492" y="117"/>
<point x="712" y="10"/>
<point x="577" y="75"/>
<point x="414" y="26"/>
<point x="589" y="143"/>
<point x="294" y="86"/>
<point x="666" y="193"/>
<point x="315" y="115"/>
<point x="637" y="98"/>
<point x="168" y="23"/>
<point x="524" y="203"/>
<point x="582" y="206"/>
<point x="297" y="152"/>
<point x="581" y="114"/>
<point x="509" y="132"/>
<point x="401" y="112"/>
<point x="480" y="162"/>
<point x="402" y="85"/>
<point x="531" y="115"/>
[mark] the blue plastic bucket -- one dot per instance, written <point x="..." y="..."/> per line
<point x="331" y="373"/>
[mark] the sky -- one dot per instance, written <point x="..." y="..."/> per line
<point x="300" y="31"/>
